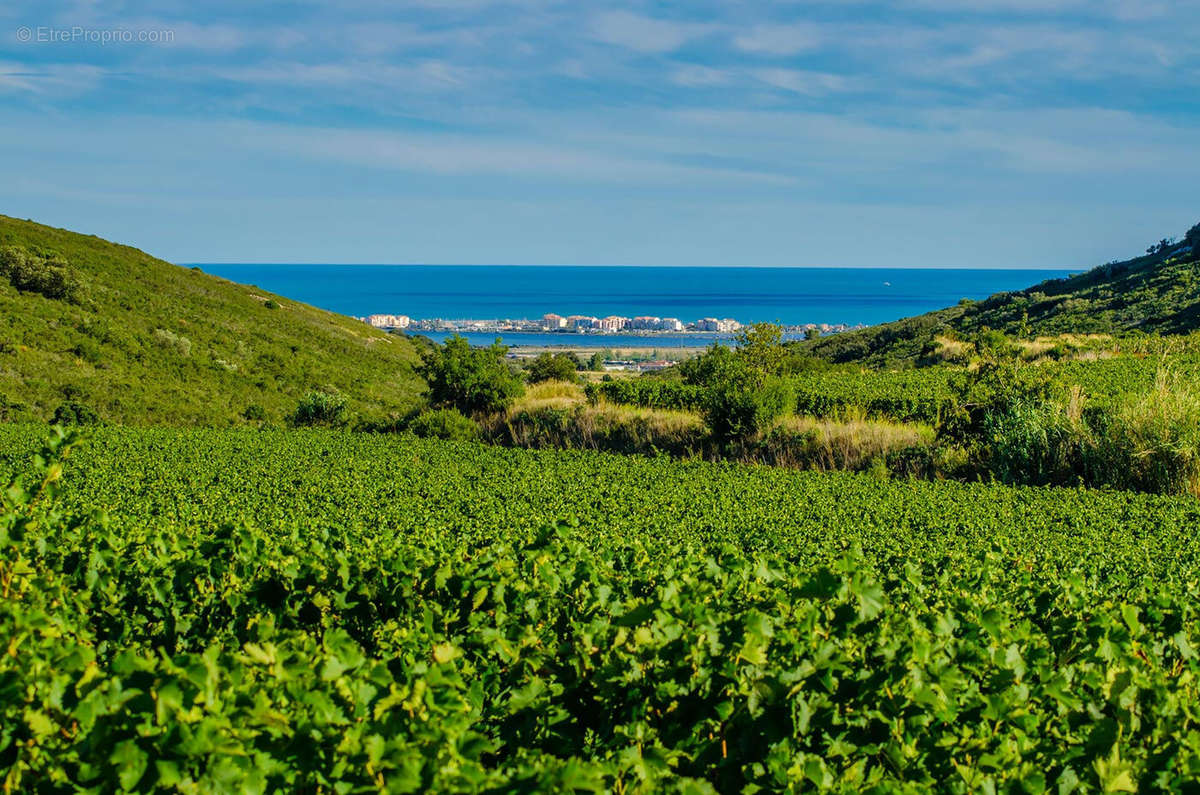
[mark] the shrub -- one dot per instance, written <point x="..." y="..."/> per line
<point x="553" y="367"/>
<point x="706" y="368"/>
<point x="74" y="413"/>
<point x="993" y="345"/>
<point x="9" y="409"/>
<point x="1039" y="444"/>
<point x="89" y="351"/>
<point x="469" y="379"/>
<point x="743" y="403"/>
<point x="1152" y="442"/>
<point x="321" y="408"/>
<point x="31" y="273"/>
<point x="994" y="389"/>
<point x="448" y="424"/>
<point x="270" y="304"/>
<point x="171" y="341"/>
<point x="254" y="413"/>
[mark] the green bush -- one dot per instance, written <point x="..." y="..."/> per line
<point x="321" y="408"/>
<point x="1037" y="444"/>
<point x="742" y="404"/>
<point x="1152" y="442"/>
<point x="171" y="341"/>
<point x="254" y="413"/>
<point x="472" y="380"/>
<point x="89" y="351"/>
<point x="553" y="367"/>
<point x="448" y="424"/>
<point x="74" y="413"/>
<point x="31" y="273"/>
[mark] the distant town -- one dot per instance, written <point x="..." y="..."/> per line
<point x="587" y="324"/>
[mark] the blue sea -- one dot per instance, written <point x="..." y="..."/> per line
<point x="791" y="296"/>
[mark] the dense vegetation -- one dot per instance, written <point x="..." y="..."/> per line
<point x="907" y="395"/>
<point x="406" y="616"/>
<point x="133" y="339"/>
<point x="1131" y="420"/>
<point x="260" y="610"/>
<point x="1158" y="293"/>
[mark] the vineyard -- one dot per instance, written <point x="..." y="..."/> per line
<point x="914" y="395"/>
<point x="246" y="612"/>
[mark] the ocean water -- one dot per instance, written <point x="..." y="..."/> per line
<point x="790" y="296"/>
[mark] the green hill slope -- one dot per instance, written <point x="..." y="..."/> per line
<point x="1158" y="292"/>
<point x="142" y="341"/>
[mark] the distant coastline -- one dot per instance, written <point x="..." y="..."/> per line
<point x="792" y="297"/>
<point x="586" y="325"/>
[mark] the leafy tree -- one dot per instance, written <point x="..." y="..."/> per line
<point x="998" y="387"/>
<point x="472" y="380"/>
<point x="75" y="413"/>
<point x="324" y="408"/>
<point x="597" y="360"/>
<point x="553" y="367"/>
<point x="744" y="389"/>
<point x="708" y="366"/>
<point x="1192" y="238"/>
<point x="760" y="346"/>
<point x="812" y="334"/>
<point x="993" y="346"/>
<point x="32" y="273"/>
<point x="742" y="402"/>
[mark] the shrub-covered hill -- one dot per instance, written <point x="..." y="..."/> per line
<point x="92" y="324"/>
<point x="1158" y="292"/>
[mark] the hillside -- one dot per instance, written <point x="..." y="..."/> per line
<point x="139" y="340"/>
<point x="1158" y="292"/>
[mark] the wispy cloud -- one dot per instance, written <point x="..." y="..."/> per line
<point x="711" y="107"/>
<point x="779" y="39"/>
<point x="645" y="34"/>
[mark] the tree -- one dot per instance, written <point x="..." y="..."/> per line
<point x="812" y="333"/>
<point x="745" y="391"/>
<point x="553" y="367"/>
<point x="760" y="346"/>
<point x="1192" y="238"/>
<point x="74" y="413"/>
<point x="708" y="367"/>
<point x="742" y="402"/>
<point x="472" y="380"/>
<point x="597" y="360"/>
<point x="993" y="346"/>
<point x="31" y="273"/>
<point x="323" y="408"/>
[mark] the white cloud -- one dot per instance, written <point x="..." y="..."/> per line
<point x="698" y="76"/>
<point x="779" y="39"/>
<point x="50" y="80"/>
<point x="645" y="34"/>
<point x="804" y="82"/>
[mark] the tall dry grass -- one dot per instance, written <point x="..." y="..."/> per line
<point x="850" y="441"/>
<point x="1153" y="441"/>
<point x="557" y="419"/>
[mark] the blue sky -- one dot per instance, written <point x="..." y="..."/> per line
<point x="990" y="133"/>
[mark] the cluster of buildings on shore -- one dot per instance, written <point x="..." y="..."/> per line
<point x="553" y="322"/>
<point x="582" y="324"/>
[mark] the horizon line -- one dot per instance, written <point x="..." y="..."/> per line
<point x="569" y="265"/>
